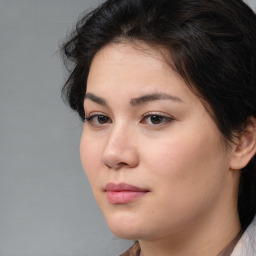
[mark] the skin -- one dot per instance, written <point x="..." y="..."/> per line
<point x="168" y="145"/>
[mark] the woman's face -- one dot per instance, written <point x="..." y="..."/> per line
<point x="153" y="155"/>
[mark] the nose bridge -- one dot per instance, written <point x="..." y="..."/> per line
<point x="120" y="148"/>
<point x="119" y="133"/>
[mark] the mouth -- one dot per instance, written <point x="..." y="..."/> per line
<point x="123" y="193"/>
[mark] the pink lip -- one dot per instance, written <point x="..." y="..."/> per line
<point x="123" y="193"/>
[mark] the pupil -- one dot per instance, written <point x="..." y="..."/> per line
<point x="156" y="119"/>
<point x="102" y="119"/>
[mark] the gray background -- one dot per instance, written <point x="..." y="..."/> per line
<point x="46" y="205"/>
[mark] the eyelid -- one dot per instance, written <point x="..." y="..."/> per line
<point x="96" y="113"/>
<point x="89" y="119"/>
<point x="168" y="118"/>
<point x="156" y="113"/>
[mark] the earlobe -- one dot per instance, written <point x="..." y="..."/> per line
<point x="245" y="149"/>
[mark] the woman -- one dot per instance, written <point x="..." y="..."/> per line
<point x="167" y="90"/>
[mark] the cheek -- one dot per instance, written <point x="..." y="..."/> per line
<point x="186" y="165"/>
<point x="177" y="155"/>
<point x="90" y="154"/>
<point x="187" y="178"/>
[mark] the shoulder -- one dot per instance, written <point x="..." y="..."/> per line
<point x="246" y="246"/>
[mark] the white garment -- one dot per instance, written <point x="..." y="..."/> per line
<point x="246" y="246"/>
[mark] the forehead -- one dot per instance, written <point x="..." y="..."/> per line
<point x="132" y="69"/>
<point x="127" y="59"/>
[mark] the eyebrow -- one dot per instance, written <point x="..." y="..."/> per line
<point x="152" y="97"/>
<point x="96" y="99"/>
<point x="135" y="101"/>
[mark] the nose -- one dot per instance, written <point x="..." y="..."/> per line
<point x="120" y="150"/>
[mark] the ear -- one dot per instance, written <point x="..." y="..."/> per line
<point x="245" y="147"/>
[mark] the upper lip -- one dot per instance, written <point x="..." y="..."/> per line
<point x="123" y="187"/>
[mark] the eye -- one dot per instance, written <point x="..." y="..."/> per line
<point x="156" y="119"/>
<point x="98" y="119"/>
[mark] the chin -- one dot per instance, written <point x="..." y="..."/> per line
<point x="125" y="226"/>
<point x="126" y="233"/>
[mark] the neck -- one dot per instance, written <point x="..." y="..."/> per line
<point x="197" y="239"/>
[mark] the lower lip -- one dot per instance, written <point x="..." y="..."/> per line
<point x="123" y="197"/>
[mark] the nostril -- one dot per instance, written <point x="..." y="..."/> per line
<point x="119" y="152"/>
<point x="117" y="166"/>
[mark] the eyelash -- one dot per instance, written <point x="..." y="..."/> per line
<point x="162" y="119"/>
<point x="95" y="115"/>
